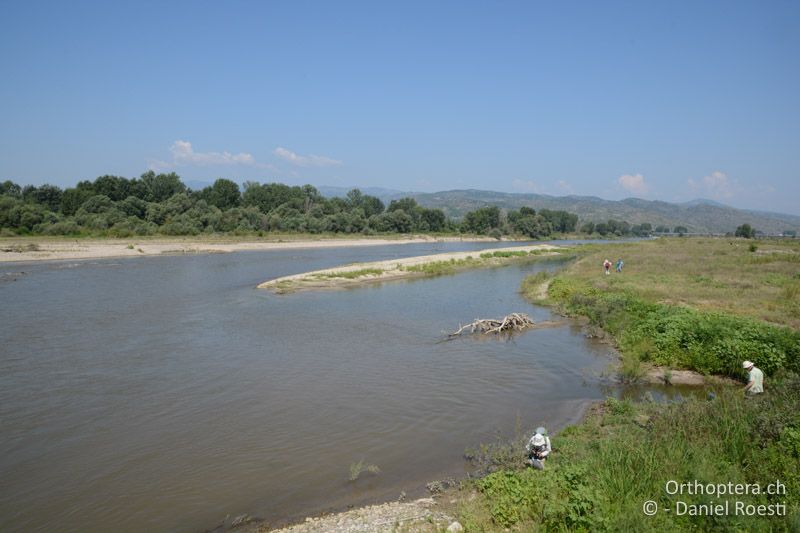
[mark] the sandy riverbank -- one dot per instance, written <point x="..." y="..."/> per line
<point x="406" y="267"/>
<point x="39" y="249"/>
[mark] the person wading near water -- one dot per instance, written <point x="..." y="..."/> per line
<point x="755" y="379"/>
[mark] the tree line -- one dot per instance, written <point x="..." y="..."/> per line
<point x="163" y="204"/>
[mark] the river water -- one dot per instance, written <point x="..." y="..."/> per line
<point x="166" y="393"/>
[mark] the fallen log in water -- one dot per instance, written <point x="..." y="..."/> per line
<point x="512" y="322"/>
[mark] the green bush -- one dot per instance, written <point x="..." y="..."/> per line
<point x="64" y="227"/>
<point x="602" y="470"/>
<point x="559" y="498"/>
<point x="710" y="342"/>
<point x="714" y="343"/>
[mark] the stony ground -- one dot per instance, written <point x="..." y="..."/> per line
<point x="413" y="516"/>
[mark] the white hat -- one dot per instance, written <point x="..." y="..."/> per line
<point x="747" y="364"/>
<point x="537" y="440"/>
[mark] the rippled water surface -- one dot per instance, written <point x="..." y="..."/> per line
<point x="166" y="393"/>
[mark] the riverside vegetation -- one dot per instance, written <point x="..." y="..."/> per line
<point x="161" y="204"/>
<point x="702" y="304"/>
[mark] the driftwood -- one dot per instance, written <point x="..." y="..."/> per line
<point x="512" y="322"/>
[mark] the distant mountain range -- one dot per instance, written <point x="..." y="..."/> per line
<point x="701" y="215"/>
<point x="384" y="194"/>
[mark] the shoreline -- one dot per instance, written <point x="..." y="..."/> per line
<point x="404" y="268"/>
<point x="436" y="512"/>
<point x="20" y="250"/>
<point x="422" y="514"/>
<point x="643" y="428"/>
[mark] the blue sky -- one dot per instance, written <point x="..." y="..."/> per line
<point x="668" y="101"/>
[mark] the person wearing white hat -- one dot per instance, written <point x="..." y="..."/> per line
<point x="755" y="379"/>
<point x="538" y="448"/>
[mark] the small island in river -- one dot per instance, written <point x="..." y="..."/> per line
<point x="407" y="267"/>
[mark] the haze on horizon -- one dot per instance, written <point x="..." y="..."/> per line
<point x="663" y="102"/>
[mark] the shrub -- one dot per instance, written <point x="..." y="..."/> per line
<point x="679" y="336"/>
<point x="559" y="498"/>
<point x="64" y="227"/>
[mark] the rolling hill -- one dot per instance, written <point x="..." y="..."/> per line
<point x="698" y="215"/>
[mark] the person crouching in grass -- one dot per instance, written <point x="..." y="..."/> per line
<point x="755" y="379"/>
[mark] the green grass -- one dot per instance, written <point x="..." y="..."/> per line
<point x="711" y="342"/>
<point x="603" y="470"/>
<point x="486" y="259"/>
<point x="706" y="274"/>
<point x="432" y="268"/>
<point x="705" y="304"/>
<point x="352" y="274"/>
<point x="438" y="268"/>
<point x="489" y="255"/>
<point x="521" y="253"/>
<point x="697" y="316"/>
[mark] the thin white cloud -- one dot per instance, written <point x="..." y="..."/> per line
<point x="183" y="154"/>
<point x="633" y="183"/>
<point x="717" y="185"/>
<point x="305" y="160"/>
<point x="529" y="186"/>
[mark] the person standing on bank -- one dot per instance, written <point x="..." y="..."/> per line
<point x="755" y="379"/>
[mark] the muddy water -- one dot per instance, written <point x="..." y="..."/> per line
<point x="166" y="393"/>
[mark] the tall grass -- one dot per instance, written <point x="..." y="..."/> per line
<point x="709" y="342"/>
<point x="697" y="303"/>
<point x="705" y="274"/>
<point x="603" y="470"/>
<point x="438" y="268"/>
<point x="352" y="274"/>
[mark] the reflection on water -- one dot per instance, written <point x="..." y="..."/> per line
<point x="166" y="393"/>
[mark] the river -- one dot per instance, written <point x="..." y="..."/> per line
<point x="166" y="393"/>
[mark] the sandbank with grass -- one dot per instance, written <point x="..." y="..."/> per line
<point x="407" y="267"/>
